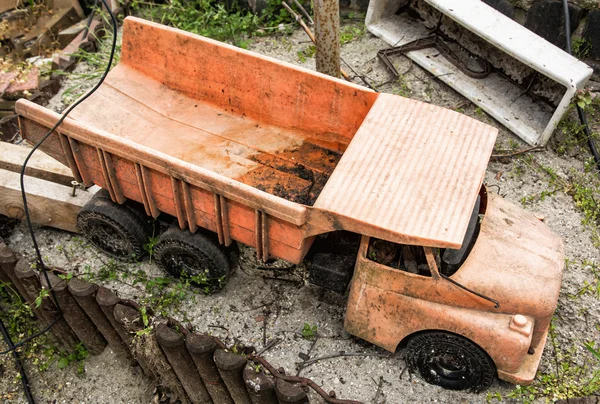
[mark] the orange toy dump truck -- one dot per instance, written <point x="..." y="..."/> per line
<point x="376" y="188"/>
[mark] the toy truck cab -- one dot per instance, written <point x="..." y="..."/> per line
<point x="463" y="314"/>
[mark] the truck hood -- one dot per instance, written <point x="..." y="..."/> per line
<point x="516" y="260"/>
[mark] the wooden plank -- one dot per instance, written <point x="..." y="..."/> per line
<point x="40" y="165"/>
<point x="50" y="204"/>
<point x="6" y="5"/>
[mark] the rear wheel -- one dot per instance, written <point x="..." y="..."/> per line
<point x="450" y="361"/>
<point x="118" y="230"/>
<point x="194" y="256"/>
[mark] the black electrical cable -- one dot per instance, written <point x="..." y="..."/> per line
<point x="89" y="21"/>
<point x="580" y="112"/>
<point x="40" y="261"/>
<point x="20" y="367"/>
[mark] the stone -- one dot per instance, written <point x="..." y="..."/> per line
<point x="591" y="33"/>
<point x="14" y="85"/>
<point x="546" y="19"/>
<point x="502" y="6"/>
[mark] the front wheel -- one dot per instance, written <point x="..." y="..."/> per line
<point x="193" y="256"/>
<point x="450" y="361"/>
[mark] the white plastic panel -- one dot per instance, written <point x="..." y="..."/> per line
<point x="532" y="121"/>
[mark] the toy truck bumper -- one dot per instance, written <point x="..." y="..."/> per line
<point x="529" y="367"/>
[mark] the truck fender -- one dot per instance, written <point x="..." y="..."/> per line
<point x="388" y="319"/>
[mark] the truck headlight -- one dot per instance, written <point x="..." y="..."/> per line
<point x="521" y="324"/>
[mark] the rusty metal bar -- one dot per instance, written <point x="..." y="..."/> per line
<point x="178" y="201"/>
<point x="219" y="218"/>
<point x="81" y="325"/>
<point x="225" y="221"/>
<point x="148" y="191"/>
<point x="142" y="188"/>
<point x="330" y="398"/>
<point x="85" y="295"/>
<point x="105" y="175"/>
<point x="201" y="349"/>
<point x="80" y="162"/>
<point x="64" y="142"/>
<point x="260" y="387"/>
<point x="258" y="233"/>
<point x="173" y="346"/>
<point x="327" y="35"/>
<point x="112" y="175"/>
<point x="231" y="368"/>
<point x="188" y="205"/>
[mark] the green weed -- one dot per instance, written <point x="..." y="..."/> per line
<point x="306" y="53"/>
<point x="581" y="48"/>
<point x="235" y="24"/>
<point x="401" y="88"/>
<point x="78" y="356"/>
<point x="309" y="332"/>
<point x="349" y="33"/>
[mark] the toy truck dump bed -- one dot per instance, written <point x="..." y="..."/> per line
<point x="243" y="145"/>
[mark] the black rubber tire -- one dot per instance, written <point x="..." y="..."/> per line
<point x="135" y="207"/>
<point x="115" y="229"/>
<point x="450" y="361"/>
<point x="183" y="254"/>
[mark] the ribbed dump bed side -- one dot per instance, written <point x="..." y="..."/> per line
<point x="411" y="173"/>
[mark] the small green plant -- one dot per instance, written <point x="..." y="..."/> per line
<point x="43" y="294"/>
<point x="65" y="277"/>
<point x="493" y="396"/>
<point x="581" y="47"/>
<point x="78" y="356"/>
<point x="584" y="97"/>
<point x="350" y="33"/>
<point x="401" y="88"/>
<point x="592" y="286"/>
<point x="307" y="53"/>
<point x="149" y="247"/>
<point x="529" y="199"/>
<point x="309" y="332"/>
<point x="20" y="322"/>
<point x="591" y="346"/>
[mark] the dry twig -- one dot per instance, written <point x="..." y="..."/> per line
<point x="518" y="152"/>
